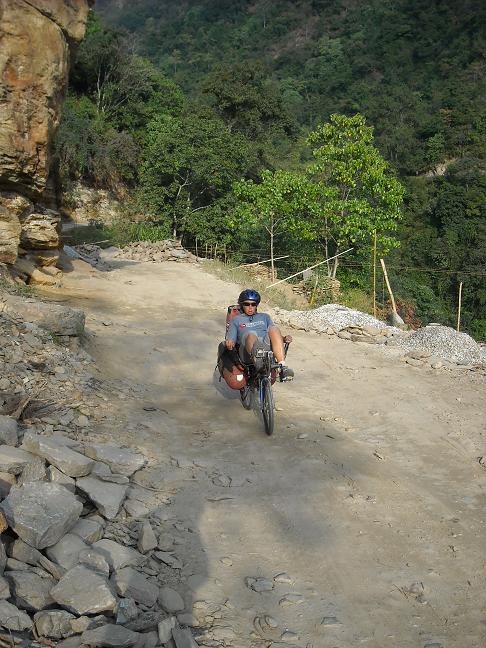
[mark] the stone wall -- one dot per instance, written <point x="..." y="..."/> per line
<point x="37" y="40"/>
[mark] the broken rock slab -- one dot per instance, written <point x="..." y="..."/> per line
<point x="147" y="539"/>
<point x="109" y="636"/>
<point x="30" y="591"/>
<point x="170" y="600"/>
<point x="106" y="496"/>
<point x="70" y="462"/>
<point x="83" y="591"/>
<point x="183" y="638"/>
<point x="57" y="319"/>
<point x="88" y="529"/>
<point x="12" y="618"/>
<point x="131" y="584"/>
<point x="117" y="555"/>
<point x="8" y="431"/>
<point x="41" y="513"/>
<point x="120" y="460"/>
<point x="66" y="551"/>
<point x="13" y="460"/>
<point x="54" y="624"/>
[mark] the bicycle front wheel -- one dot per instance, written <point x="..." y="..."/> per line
<point x="246" y="397"/>
<point x="266" y="400"/>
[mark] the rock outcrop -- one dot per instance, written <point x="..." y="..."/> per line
<point x="37" y="42"/>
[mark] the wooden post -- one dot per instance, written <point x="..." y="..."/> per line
<point x="196" y="245"/>
<point x="374" y="275"/>
<point x="206" y="251"/>
<point x="215" y="250"/>
<point x="225" y="257"/>
<point x="394" y="307"/>
<point x="459" y="308"/>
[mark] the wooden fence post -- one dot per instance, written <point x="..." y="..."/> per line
<point x="374" y="275"/>
<point x="394" y="307"/>
<point x="459" y="308"/>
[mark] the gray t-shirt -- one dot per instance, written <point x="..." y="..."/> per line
<point x="242" y="325"/>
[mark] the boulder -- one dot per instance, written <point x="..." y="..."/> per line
<point x="131" y="584"/>
<point x="57" y="319"/>
<point x="34" y="471"/>
<point x="54" y="624"/>
<point x="12" y="618"/>
<point x="82" y="591"/>
<point x="95" y="561"/>
<point x="183" y="638"/>
<point x="107" y="497"/>
<point x="147" y="539"/>
<point x="40" y="231"/>
<point x="8" y="429"/>
<point x="171" y="600"/>
<point x="4" y="588"/>
<point x="36" y="39"/>
<point x="30" y="591"/>
<point x="7" y="480"/>
<point x="111" y="636"/>
<point x="58" y="477"/>
<point x="41" y="513"/>
<point x="88" y="530"/>
<point x="9" y="236"/>
<point x="66" y="551"/>
<point x="69" y="461"/>
<point x="45" y="258"/>
<point x="120" y="460"/>
<point x="117" y="555"/>
<point x="13" y="460"/>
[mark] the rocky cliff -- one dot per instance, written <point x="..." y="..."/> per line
<point x="37" y="40"/>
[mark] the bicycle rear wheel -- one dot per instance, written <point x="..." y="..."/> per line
<point x="266" y="403"/>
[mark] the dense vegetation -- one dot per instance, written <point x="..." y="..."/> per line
<point x="210" y="93"/>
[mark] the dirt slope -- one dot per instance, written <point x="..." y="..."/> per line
<point x="370" y="495"/>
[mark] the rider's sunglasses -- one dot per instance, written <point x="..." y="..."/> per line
<point x="248" y="303"/>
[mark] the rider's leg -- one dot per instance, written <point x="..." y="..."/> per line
<point x="277" y="343"/>
<point x="250" y="340"/>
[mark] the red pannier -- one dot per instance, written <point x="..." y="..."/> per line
<point x="230" y="368"/>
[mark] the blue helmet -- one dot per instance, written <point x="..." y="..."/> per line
<point x="249" y="295"/>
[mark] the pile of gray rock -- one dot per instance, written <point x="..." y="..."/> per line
<point x="86" y="558"/>
<point x="145" y="251"/>
<point x="168" y="250"/>
<point x="432" y="346"/>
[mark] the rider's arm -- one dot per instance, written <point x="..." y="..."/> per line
<point x="231" y="335"/>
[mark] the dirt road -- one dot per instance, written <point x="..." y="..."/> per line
<point x="369" y="496"/>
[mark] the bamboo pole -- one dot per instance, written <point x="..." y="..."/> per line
<point x="309" y="268"/>
<point x="459" y="308"/>
<point x="374" y="274"/>
<point x="248" y="265"/>
<point x="394" y="306"/>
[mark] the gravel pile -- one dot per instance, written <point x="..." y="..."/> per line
<point x="444" y="342"/>
<point x="333" y="315"/>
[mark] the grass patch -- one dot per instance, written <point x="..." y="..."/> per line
<point x="120" y="233"/>
<point x="281" y="296"/>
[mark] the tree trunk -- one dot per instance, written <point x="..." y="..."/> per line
<point x="271" y="254"/>
<point x="335" y="265"/>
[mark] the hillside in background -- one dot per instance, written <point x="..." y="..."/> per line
<point x="273" y="71"/>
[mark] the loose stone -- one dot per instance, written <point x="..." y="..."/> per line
<point x="30" y="591"/>
<point x="41" y="513"/>
<point x="83" y="591"/>
<point x="130" y="584"/>
<point x="109" y="636"/>
<point x="171" y="600"/>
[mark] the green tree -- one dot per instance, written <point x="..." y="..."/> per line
<point x="359" y="193"/>
<point x="189" y="163"/>
<point x="282" y="201"/>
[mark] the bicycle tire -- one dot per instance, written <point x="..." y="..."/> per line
<point x="268" y="411"/>
<point x="245" y="396"/>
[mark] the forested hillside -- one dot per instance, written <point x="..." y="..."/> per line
<point x="216" y="92"/>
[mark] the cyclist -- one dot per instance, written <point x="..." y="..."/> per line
<point x="254" y="332"/>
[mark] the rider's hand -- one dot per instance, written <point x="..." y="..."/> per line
<point x="230" y="344"/>
<point x="288" y="339"/>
